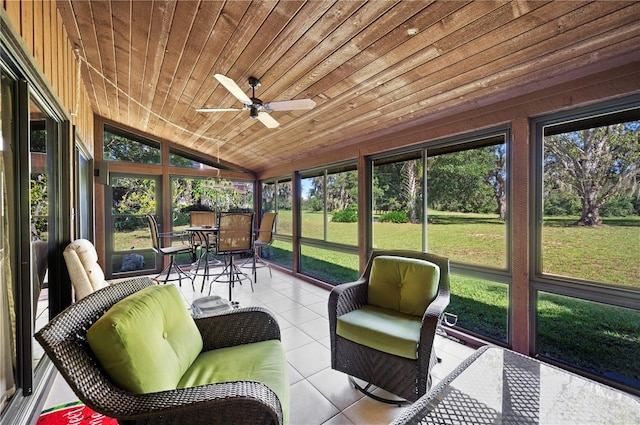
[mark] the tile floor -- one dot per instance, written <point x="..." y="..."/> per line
<point x="319" y="395"/>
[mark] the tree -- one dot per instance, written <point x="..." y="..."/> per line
<point x="597" y="164"/>
<point x="411" y="174"/>
<point x="468" y="181"/>
<point x="397" y="186"/>
<point x="119" y="148"/>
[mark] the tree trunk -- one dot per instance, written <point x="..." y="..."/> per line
<point x="590" y="214"/>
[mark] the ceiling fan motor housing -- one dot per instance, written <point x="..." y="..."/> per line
<point x="255" y="107"/>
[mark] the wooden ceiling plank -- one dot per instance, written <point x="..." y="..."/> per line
<point x="139" y="28"/>
<point x="343" y="43"/>
<point x="101" y="12"/>
<point x="413" y="50"/>
<point x="201" y="61"/>
<point x="88" y="45"/>
<point x="120" y="18"/>
<point x="121" y="21"/>
<point x="462" y="55"/>
<point x="182" y="25"/>
<point x="161" y="18"/>
<point x="319" y="38"/>
<point x="395" y="68"/>
<point x="398" y="27"/>
<point x="263" y="39"/>
<point x="195" y="49"/>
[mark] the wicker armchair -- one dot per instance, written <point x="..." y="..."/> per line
<point x="408" y="378"/>
<point x="64" y="340"/>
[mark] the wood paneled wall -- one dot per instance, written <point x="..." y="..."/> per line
<point x="39" y="24"/>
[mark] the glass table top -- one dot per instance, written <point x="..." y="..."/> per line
<point x="499" y="386"/>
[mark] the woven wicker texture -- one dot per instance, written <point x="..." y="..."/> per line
<point x="403" y="377"/>
<point x="242" y="402"/>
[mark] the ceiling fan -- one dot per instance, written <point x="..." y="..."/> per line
<point x="258" y="109"/>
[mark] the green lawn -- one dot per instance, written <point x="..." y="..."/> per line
<point x="608" y="254"/>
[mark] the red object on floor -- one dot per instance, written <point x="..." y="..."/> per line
<point x="73" y="414"/>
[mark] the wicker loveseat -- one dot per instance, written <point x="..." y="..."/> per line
<point x="382" y="326"/>
<point x="239" y="375"/>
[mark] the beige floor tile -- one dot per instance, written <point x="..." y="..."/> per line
<point x="309" y="359"/>
<point x="293" y="338"/>
<point x="308" y="406"/>
<point x="338" y="419"/>
<point x="367" y="411"/>
<point x="300" y="315"/>
<point x="335" y="386"/>
<point x="316" y="328"/>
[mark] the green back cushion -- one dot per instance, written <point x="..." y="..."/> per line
<point x="407" y="285"/>
<point x="146" y="341"/>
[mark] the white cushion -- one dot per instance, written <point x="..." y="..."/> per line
<point x="85" y="272"/>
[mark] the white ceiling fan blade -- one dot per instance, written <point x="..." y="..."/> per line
<point x="268" y="120"/>
<point x="233" y="88"/>
<point x="219" y="109"/>
<point x="290" y="105"/>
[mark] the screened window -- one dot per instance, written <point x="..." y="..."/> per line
<point x="329" y="224"/>
<point x="277" y="196"/>
<point x="118" y="145"/>
<point x="587" y="224"/>
<point x="398" y="206"/>
<point x="179" y="159"/>
<point x="590" y="200"/>
<point x="128" y="242"/>
<point x="329" y="205"/>
<point x="599" y="338"/>
<point x="467" y="200"/>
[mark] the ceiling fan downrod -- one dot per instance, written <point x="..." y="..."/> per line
<point x="256" y="103"/>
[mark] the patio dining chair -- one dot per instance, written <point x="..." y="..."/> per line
<point x="263" y="238"/>
<point x="170" y="250"/>
<point x="235" y="237"/>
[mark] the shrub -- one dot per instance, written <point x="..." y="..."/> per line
<point x="619" y="206"/>
<point x="394" y="217"/>
<point x="347" y="215"/>
<point x="562" y="203"/>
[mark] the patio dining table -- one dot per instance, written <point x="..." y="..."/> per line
<point x="500" y="386"/>
<point x="204" y="233"/>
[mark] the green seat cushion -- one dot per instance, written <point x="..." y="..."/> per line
<point x="407" y="285"/>
<point x="263" y="362"/>
<point x="382" y="329"/>
<point x="147" y="341"/>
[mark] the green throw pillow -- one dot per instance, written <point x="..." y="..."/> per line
<point x="146" y="341"/>
<point x="407" y="285"/>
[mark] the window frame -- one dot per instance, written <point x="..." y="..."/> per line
<point x="565" y="285"/>
<point x="471" y="140"/>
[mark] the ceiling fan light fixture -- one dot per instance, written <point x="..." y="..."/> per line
<point x="254" y="112"/>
